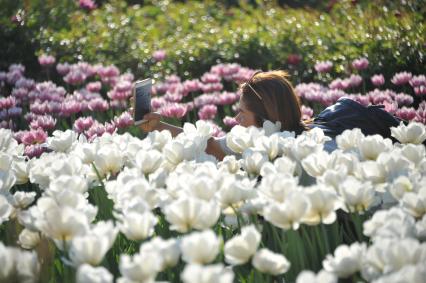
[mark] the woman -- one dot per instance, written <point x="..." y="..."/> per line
<point x="266" y="96"/>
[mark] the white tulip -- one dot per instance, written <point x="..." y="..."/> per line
<point x="23" y="199"/>
<point x="201" y="128"/>
<point x="410" y="273"/>
<point x="7" y="264"/>
<point x="307" y="276"/>
<point x="333" y="178"/>
<point x="282" y="165"/>
<point x="174" y="152"/>
<point x="253" y="161"/>
<point x="73" y="183"/>
<point x="395" y="165"/>
<point x="200" y="247"/>
<point x="27" y="266"/>
<point x="62" y="141"/>
<point x="90" y="274"/>
<point x="40" y="169"/>
<point x="86" y="151"/>
<point x="234" y="191"/>
<point x="28" y="239"/>
<point x="169" y="250"/>
<point x="241" y="138"/>
<point x="289" y="214"/>
<point x="8" y="144"/>
<point x="372" y="171"/>
<point x="157" y="140"/>
<point x="349" y="139"/>
<point x="324" y="203"/>
<point x="316" y="164"/>
<point x="239" y="249"/>
<point x="392" y="223"/>
<point x="400" y="186"/>
<point x="5" y="209"/>
<point x="269" y="262"/>
<point x="18" y="265"/>
<point x="62" y="223"/>
<point x="138" y="226"/>
<point x="390" y="255"/>
<point x="371" y="146"/>
<point x="187" y="213"/>
<point x="358" y="196"/>
<point x="108" y="160"/>
<point x="92" y="247"/>
<point x="201" y="186"/>
<point x="148" y="161"/>
<point x="268" y="145"/>
<point x="346" y="260"/>
<point x="229" y="164"/>
<point x="344" y="161"/>
<point x="414" y="133"/>
<point x="304" y="146"/>
<point x="21" y="170"/>
<point x="139" y="268"/>
<point x="217" y="273"/>
<point x="278" y="186"/>
<point x="414" y="153"/>
<point x="415" y="203"/>
<point x="7" y="176"/>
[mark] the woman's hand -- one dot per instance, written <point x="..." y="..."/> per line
<point x="152" y="122"/>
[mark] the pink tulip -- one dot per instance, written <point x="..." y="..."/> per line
<point x="124" y="120"/>
<point x="378" y="80"/>
<point x="307" y="112"/>
<point x="159" y="55"/>
<point x="421" y="113"/>
<point x="403" y="99"/>
<point x="87" y="4"/>
<point x="34" y="137"/>
<point x="209" y="78"/>
<point x="82" y="124"/>
<point x="420" y="90"/>
<point x="98" y="105"/>
<point x="230" y="121"/>
<point x="323" y="66"/>
<point x="173" y="110"/>
<point x="63" y="69"/>
<point x="94" y="86"/>
<point x="207" y="112"/>
<point x="401" y="78"/>
<point x="34" y="150"/>
<point x="405" y="113"/>
<point x="46" y="60"/>
<point x="45" y="122"/>
<point x="360" y="64"/>
<point x="417" y="81"/>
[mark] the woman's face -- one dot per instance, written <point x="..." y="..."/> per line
<point x="245" y="117"/>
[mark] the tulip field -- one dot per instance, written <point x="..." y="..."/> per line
<point x="88" y="197"/>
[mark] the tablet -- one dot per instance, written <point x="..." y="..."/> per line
<point x="142" y="99"/>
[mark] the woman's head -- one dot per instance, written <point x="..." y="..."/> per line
<point x="270" y="96"/>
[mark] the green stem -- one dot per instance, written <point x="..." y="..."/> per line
<point x="324" y="233"/>
<point x="97" y="174"/>
<point x="238" y="218"/>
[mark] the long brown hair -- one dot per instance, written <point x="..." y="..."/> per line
<point x="271" y="96"/>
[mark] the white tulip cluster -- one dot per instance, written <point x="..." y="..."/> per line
<point x="285" y="180"/>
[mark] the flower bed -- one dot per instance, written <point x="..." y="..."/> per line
<point x="86" y="201"/>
